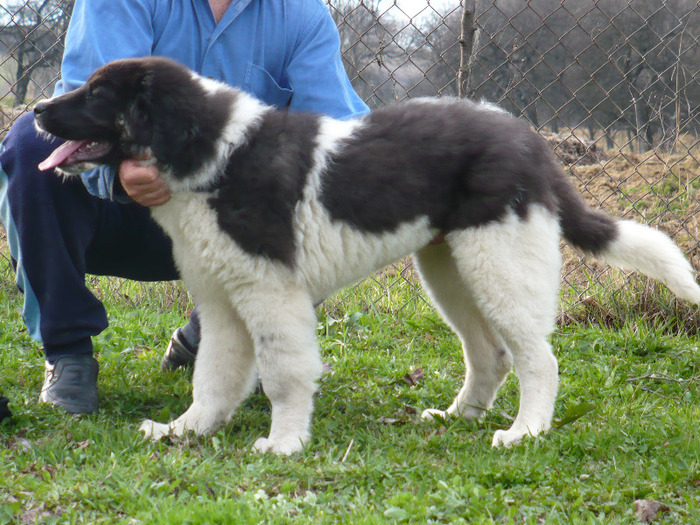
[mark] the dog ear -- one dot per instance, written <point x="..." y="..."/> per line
<point x="173" y="133"/>
<point x="138" y="121"/>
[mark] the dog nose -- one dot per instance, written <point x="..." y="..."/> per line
<point x="40" y="107"/>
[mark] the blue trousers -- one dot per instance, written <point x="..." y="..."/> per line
<point x="58" y="233"/>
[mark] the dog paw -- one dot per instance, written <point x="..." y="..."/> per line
<point x="506" y="438"/>
<point x="153" y="430"/>
<point x="433" y="414"/>
<point x="510" y="437"/>
<point x="515" y="434"/>
<point x="283" y="447"/>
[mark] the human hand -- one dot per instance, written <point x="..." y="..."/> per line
<point x="143" y="183"/>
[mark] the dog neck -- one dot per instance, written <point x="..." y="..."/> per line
<point x="244" y="115"/>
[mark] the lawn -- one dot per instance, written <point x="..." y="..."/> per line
<point x="628" y="428"/>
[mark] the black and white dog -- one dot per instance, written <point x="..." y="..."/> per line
<point x="273" y="211"/>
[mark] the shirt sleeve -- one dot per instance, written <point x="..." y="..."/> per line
<point x="316" y="72"/>
<point x="101" y="31"/>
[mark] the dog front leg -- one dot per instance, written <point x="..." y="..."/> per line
<point x="283" y="330"/>
<point x="223" y="374"/>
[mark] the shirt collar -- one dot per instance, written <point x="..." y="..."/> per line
<point x="232" y="12"/>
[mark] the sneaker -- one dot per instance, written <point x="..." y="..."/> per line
<point x="4" y="410"/>
<point x="70" y="382"/>
<point x="178" y="354"/>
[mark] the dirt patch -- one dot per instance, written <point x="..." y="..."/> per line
<point x="574" y="150"/>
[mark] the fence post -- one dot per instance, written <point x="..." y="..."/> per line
<point x="467" y="41"/>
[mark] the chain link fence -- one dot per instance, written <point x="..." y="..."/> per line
<point x="614" y="85"/>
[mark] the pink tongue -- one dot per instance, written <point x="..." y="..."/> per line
<point x="61" y="153"/>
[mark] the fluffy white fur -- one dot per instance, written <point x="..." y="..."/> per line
<point x="632" y="251"/>
<point x="503" y="313"/>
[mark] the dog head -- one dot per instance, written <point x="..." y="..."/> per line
<point x="136" y="108"/>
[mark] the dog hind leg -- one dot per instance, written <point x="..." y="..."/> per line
<point x="512" y="268"/>
<point x="283" y="329"/>
<point x="224" y="373"/>
<point x="487" y="359"/>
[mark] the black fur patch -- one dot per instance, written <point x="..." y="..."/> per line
<point x="264" y="181"/>
<point x="587" y="229"/>
<point x="458" y="165"/>
<point x="137" y="104"/>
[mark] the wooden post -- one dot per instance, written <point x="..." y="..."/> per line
<point x="467" y="40"/>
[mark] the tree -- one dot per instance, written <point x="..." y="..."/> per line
<point x="367" y="42"/>
<point x="390" y="56"/>
<point x="609" y="65"/>
<point x="38" y="31"/>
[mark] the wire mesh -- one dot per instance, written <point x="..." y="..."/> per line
<point x="614" y="85"/>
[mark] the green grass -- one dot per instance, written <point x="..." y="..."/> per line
<point x="617" y="298"/>
<point x="669" y="192"/>
<point x="628" y="416"/>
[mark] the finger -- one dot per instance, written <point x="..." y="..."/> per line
<point x="158" y="202"/>
<point x="145" y="189"/>
<point x="141" y="177"/>
<point x="140" y="194"/>
<point x="157" y="198"/>
<point x="133" y="166"/>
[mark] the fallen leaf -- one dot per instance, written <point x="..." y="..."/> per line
<point x="414" y="377"/>
<point x="139" y="350"/>
<point x="389" y="420"/>
<point x="23" y="444"/>
<point x="34" y="515"/>
<point x="83" y="444"/>
<point x="647" y="510"/>
<point x="396" y="513"/>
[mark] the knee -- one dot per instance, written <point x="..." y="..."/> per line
<point x="23" y="149"/>
<point x="23" y="124"/>
<point x="504" y="361"/>
<point x="23" y="136"/>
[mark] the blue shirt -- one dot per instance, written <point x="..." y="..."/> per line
<point x="285" y="52"/>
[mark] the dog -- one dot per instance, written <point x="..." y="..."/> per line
<point x="272" y="211"/>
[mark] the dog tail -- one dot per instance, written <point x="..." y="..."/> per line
<point x="625" y="244"/>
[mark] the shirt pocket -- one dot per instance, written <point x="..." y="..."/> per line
<point x="260" y="83"/>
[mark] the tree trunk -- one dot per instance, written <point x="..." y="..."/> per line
<point x="467" y="41"/>
<point x="22" y="83"/>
